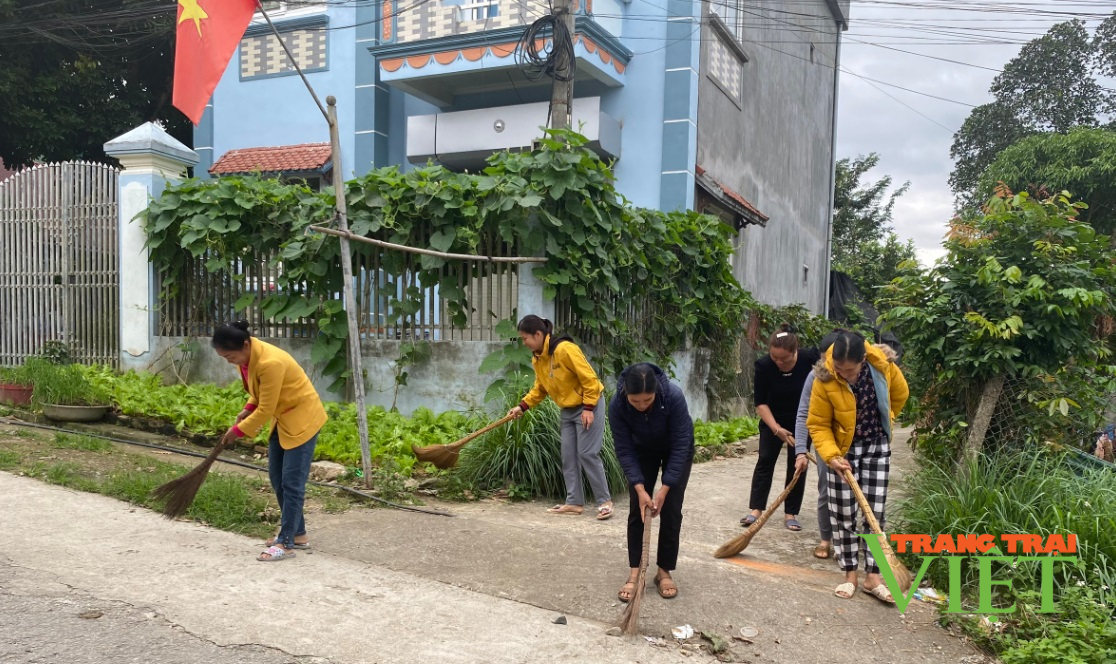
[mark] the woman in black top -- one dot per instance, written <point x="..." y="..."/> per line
<point x="652" y="432"/>
<point x="778" y="387"/>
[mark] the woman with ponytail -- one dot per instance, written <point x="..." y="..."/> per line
<point x="279" y="392"/>
<point x="563" y="374"/>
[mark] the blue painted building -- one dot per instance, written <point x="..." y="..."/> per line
<point x="727" y="106"/>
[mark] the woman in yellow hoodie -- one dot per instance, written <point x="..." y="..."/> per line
<point x="279" y="392"/>
<point x="858" y="392"/>
<point x="563" y="373"/>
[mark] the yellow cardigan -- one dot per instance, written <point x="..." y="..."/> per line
<point x="279" y="390"/>
<point x="566" y="376"/>
<point x="832" y="417"/>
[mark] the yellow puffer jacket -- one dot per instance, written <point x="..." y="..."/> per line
<point x="280" y="391"/>
<point x="832" y="417"/>
<point x="566" y="376"/>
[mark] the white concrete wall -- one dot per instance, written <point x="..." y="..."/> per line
<point x="447" y="381"/>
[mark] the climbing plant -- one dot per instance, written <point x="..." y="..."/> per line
<point x="605" y="256"/>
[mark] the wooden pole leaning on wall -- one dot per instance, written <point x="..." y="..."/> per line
<point x="355" y="359"/>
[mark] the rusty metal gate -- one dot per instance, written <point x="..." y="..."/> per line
<point x="58" y="262"/>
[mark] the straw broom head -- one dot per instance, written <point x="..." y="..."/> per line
<point x="445" y="456"/>
<point x="442" y="456"/>
<point x="630" y="618"/>
<point x="179" y="493"/>
<point x="741" y="542"/>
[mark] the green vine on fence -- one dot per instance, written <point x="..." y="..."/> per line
<point x="605" y="256"/>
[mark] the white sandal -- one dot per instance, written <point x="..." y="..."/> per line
<point x="882" y="593"/>
<point x="847" y="588"/>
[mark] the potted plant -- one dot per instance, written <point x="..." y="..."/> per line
<point x="15" y="386"/>
<point x="65" y="394"/>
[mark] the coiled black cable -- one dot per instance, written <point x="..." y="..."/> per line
<point x="559" y="62"/>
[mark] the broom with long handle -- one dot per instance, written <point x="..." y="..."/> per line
<point x="630" y="618"/>
<point x="741" y="542"/>
<point x="179" y="493"/>
<point x="902" y="574"/>
<point x="445" y="456"/>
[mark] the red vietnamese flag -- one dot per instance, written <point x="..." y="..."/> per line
<point x="208" y="33"/>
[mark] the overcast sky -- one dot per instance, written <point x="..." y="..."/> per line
<point x="916" y="148"/>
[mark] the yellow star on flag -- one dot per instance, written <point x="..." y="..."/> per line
<point x="191" y="10"/>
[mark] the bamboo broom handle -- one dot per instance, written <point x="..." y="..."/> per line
<point x="480" y="432"/>
<point x="864" y="506"/>
<point x="778" y="501"/>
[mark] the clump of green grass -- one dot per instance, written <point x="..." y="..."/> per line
<point x="1022" y="492"/>
<point x="527" y="454"/>
<point x="9" y="459"/>
<point x="85" y="443"/>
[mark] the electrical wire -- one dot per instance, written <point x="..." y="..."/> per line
<point x="12" y="421"/>
<point x="534" y="57"/>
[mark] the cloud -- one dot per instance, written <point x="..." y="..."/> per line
<point x="886" y="120"/>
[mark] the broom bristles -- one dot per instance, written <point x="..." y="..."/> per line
<point x="629" y="620"/>
<point x="903" y="576"/>
<point x="179" y="493"/>
<point x="442" y="456"/>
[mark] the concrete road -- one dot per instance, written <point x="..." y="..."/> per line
<point x="85" y="578"/>
<point x="66" y="553"/>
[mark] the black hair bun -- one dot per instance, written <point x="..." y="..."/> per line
<point x="241" y="325"/>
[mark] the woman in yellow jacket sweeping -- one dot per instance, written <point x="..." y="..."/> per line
<point x="563" y="373"/>
<point x="279" y="392"/>
<point x="858" y="392"/>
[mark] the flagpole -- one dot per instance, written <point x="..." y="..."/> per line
<point x="341" y="215"/>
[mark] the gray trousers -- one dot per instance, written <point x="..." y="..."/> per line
<point x="825" y="527"/>
<point x="581" y="451"/>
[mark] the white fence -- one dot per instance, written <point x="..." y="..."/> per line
<point x="58" y="262"/>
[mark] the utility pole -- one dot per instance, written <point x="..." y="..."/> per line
<point x="561" y="90"/>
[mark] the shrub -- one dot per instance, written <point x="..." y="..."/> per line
<point x="526" y="455"/>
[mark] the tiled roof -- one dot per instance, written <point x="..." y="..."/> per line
<point x="5" y="173"/>
<point x="282" y="159"/>
<point x="751" y="211"/>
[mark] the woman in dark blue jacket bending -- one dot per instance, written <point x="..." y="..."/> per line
<point x="652" y="430"/>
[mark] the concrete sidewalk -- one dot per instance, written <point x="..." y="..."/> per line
<point x="206" y="582"/>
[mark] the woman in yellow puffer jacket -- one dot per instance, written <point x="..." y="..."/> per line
<point x="563" y="374"/>
<point x="858" y="392"/>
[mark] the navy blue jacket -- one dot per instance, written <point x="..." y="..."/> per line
<point x="665" y="430"/>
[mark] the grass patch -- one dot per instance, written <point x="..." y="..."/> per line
<point x="227" y="501"/>
<point x="9" y="459"/>
<point x="1028" y="492"/>
<point x="67" y="441"/>
<point x="526" y="455"/>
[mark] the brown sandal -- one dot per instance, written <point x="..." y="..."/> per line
<point x="668" y="589"/>
<point x="823" y="551"/>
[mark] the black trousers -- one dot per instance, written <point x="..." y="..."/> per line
<point x="670" y="515"/>
<point x="769" y="449"/>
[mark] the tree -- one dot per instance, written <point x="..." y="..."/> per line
<point x="1018" y="294"/>
<point x="865" y="246"/>
<point x="1049" y="87"/>
<point x="1082" y="162"/>
<point x="76" y="73"/>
